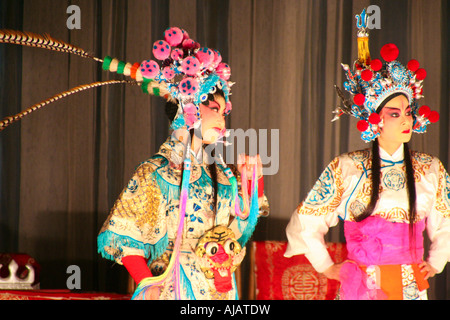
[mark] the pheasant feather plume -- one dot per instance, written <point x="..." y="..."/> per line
<point x="11" y="119"/>
<point x="42" y="41"/>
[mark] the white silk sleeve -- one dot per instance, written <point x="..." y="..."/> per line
<point x="312" y="219"/>
<point x="438" y="223"/>
<point x="306" y="236"/>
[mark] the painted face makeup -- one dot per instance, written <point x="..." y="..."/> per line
<point x="397" y="123"/>
<point x="213" y="121"/>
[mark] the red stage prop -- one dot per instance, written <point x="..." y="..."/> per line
<point x="281" y="278"/>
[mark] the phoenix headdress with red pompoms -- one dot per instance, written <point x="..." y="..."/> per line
<point x="372" y="81"/>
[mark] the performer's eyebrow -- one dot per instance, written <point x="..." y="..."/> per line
<point x="398" y="109"/>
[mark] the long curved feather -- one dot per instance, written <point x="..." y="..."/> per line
<point x="42" y="41"/>
<point x="11" y="119"/>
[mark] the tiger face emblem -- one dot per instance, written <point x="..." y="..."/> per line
<point x="219" y="255"/>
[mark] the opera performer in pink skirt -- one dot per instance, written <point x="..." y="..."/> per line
<point x="386" y="196"/>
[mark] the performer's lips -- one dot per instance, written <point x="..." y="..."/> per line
<point x="406" y="131"/>
<point x="220" y="131"/>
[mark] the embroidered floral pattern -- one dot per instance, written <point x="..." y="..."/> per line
<point x="323" y="190"/>
<point x="326" y="194"/>
<point x="394" y="179"/>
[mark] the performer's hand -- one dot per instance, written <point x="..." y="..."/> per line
<point x="247" y="162"/>
<point x="428" y="269"/>
<point x="153" y="293"/>
<point x="333" y="271"/>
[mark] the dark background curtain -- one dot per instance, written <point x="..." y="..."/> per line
<point x="62" y="168"/>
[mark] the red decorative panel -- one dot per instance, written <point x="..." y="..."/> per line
<point x="281" y="278"/>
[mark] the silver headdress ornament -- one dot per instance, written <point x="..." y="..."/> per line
<point x="371" y="81"/>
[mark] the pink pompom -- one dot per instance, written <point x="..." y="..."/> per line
<point x="188" y="86"/>
<point x="190" y="65"/>
<point x="185" y="34"/>
<point x="190" y="108"/>
<point x="161" y="50"/>
<point x="217" y="58"/>
<point x="205" y="56"/>
<point x="367" y="75"/>
<point x="173" y="36"/>
<point x="176" y="54"/>
<point x="190" y="114"/>
<point x="389" y="52"/>
<point x="149" y="69"/>
<point x="190" y="44"/>
<point x="190" y="119"/>
<point x="224" y="71"/>
<point x="168" y="73"/>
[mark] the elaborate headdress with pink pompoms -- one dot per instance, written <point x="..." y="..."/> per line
<point x="370" y="82"/>
<point x="186" y="74"/>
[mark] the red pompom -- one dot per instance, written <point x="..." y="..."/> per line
<point x="433" y="116"/>
<point x="366" y="75"/>
<point x="376" y="64"/>
<point x="359" y="99"/>
<point x="362" y="125"/>
<point x="424" y="111"/>
<point x="374" y="118"/>
<point x="389" y="52"/>
<point x="421" y="74"/>
<point x="413" y="65"/>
